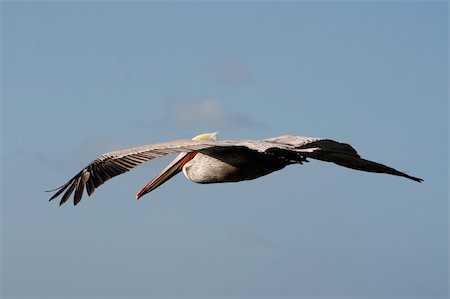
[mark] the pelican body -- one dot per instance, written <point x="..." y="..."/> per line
<point x="205" y="160"/>
<point x="230" y="165"/>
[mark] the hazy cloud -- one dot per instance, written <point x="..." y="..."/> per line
<point x="204" y="112"/>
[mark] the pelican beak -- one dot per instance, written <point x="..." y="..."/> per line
<point x="172" y="169"/>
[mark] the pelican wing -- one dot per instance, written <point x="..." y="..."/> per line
<point x="115" y="163"/>
<point x="339" y="153"/>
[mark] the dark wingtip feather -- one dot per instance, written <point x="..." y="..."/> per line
<point x="53" y="190"/>
<point x="60" y="190"/>
<point x="419" y="180"/>
<point x="78" y="192"/>
<point x="68" y="193"/>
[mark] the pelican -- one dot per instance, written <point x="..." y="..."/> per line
<point x="206" y="160"/>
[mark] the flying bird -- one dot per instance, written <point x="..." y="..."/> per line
<point x="206" y="160"/>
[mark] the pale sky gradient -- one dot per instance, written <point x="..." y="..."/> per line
<point x="83" y="78"/>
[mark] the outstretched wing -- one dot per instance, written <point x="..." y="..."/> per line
<point x="339" y="153"/>
<point x="115" y="163"/>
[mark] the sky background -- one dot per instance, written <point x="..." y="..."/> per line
<point x="83" y="78"/>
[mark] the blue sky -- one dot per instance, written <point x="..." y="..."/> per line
<point x="83" y="78"/>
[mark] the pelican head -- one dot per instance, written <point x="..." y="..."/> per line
<point x="175" y="166"/>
